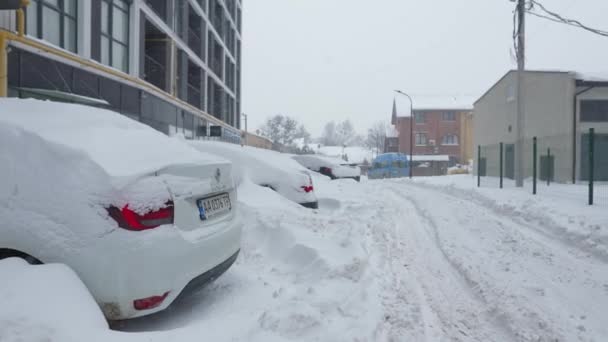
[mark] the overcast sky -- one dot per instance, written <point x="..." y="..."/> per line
<point x="322" y="60"/>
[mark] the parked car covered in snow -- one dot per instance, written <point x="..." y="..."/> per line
<point x="140" y="217"/>
<point x="266" y="168"/>
<point x="332" y="167"/>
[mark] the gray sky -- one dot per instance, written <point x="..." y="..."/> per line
<point x="322" y="60"/>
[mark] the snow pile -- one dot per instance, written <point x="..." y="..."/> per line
<point x="121" y="146"/>
<point x="46" y="303"/>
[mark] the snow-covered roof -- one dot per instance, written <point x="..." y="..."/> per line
<point x="432" y="102"/>
<point x="426" y="158"/>
<point x="592" y="76"/>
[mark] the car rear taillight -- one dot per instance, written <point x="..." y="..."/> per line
<point x="308" y="188"/>
<point x="150" y="302"/>
<point x="128" y="219"/>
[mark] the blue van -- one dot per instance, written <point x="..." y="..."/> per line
<point x="389" y="165"/>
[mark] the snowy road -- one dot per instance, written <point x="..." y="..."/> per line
<point x="397" y="261"/>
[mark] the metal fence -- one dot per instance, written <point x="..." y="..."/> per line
<point x="550" y="165"/>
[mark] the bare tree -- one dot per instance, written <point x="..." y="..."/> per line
<point x="284" y="130"/>
<point x="376" y="136"/>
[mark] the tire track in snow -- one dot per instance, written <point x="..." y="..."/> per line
<point x="543" y="291"/>
<point x="444" y="304"/>
<point x="537" y="222"/>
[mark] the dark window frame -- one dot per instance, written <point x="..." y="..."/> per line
<point x="110" y="35"/>
<point x="599" y="111"/>
<point x="63" y="15"/>
<point x="448" y="116"/>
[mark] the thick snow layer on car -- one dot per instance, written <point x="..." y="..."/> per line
<point x="121" y="146"/>
<point x="264" y="167"/>
<point x="355" y="154"/>
<point x="340" y="168"/>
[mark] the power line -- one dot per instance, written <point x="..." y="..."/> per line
<point x="555" y="17"/>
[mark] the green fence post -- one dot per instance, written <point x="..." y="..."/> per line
<point x="548" y="167"/>
<point x="591" y="163"/>
<point x="479" y="166"/>
<point x="534" y="165"/>
<point x="500" y="163"/>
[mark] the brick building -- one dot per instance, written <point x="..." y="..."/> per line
<point x="438" y="127"/>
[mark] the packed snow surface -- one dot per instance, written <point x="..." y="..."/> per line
<point x="434" y="259"/>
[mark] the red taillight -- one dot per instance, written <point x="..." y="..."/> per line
<point x="150" y="302"/>
<point x="308" y="188"/>
<point x="128" y="219"/>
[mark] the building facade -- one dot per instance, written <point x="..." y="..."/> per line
<point x="560" y="108"/>
<point x="172" y="64"/>
<point x="437" y="130"/>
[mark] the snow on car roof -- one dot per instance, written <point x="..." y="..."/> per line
<point x="271" y="158"/>
<point x="121" y="146"/>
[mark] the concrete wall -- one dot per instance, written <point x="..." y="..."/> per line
<point x="549" y="108"/>
<point x="257" y="141"/>
<point x="466" y="137"/>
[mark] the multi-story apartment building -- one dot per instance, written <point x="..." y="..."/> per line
<point x="172" y="64"/>
<point x="437" y="129"/>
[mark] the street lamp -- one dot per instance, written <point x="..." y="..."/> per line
<point x="411" y="130"/>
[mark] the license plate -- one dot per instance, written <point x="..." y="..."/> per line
<point x="211" y="207"/>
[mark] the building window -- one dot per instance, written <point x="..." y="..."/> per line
<point x="54" y="21"/>
<point x="594" y="111"/>
<point x="419" y="117"/>
<point x="115" y="34"/>
<point x="421" y="139"/>
<point x="448" y="116"/>
<point x="450" y="139"/>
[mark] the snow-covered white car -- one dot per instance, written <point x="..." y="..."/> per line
<point x="332" y="167"/>
<point x="140" y="217"/>
<point x="266" y="168"/>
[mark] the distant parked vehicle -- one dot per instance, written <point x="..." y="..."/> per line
<point x="389" y="165"/>
<point x="331" y="167"/>
<point x="140" y="217"/>
<point x="266" y="168"/>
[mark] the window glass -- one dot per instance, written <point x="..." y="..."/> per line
<point x="69" y="35"/>
<point x="119" y="56"/>
<point x="421" y="139"/>
<point x="52" y="2"/>
<point x="52" y="28"/>
<point x="448" y="116"/>
<point x="104" y="17"/>
<point x="420" y="118"/>
<point x="69" y="7"/>
<point x="594" y="111"/>
<point x="105" y="50"/>
<point x="121" y="4"/>
<point x="32" y="19"/>
<point x="120" y="26"/>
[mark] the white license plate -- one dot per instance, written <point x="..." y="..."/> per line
<point x="211" y="207"/>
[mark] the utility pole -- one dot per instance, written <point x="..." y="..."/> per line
<point x="521" y="66"/>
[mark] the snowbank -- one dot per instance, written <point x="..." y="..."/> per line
<point x="121" y="146"/>
<point x="46" y="303"/>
